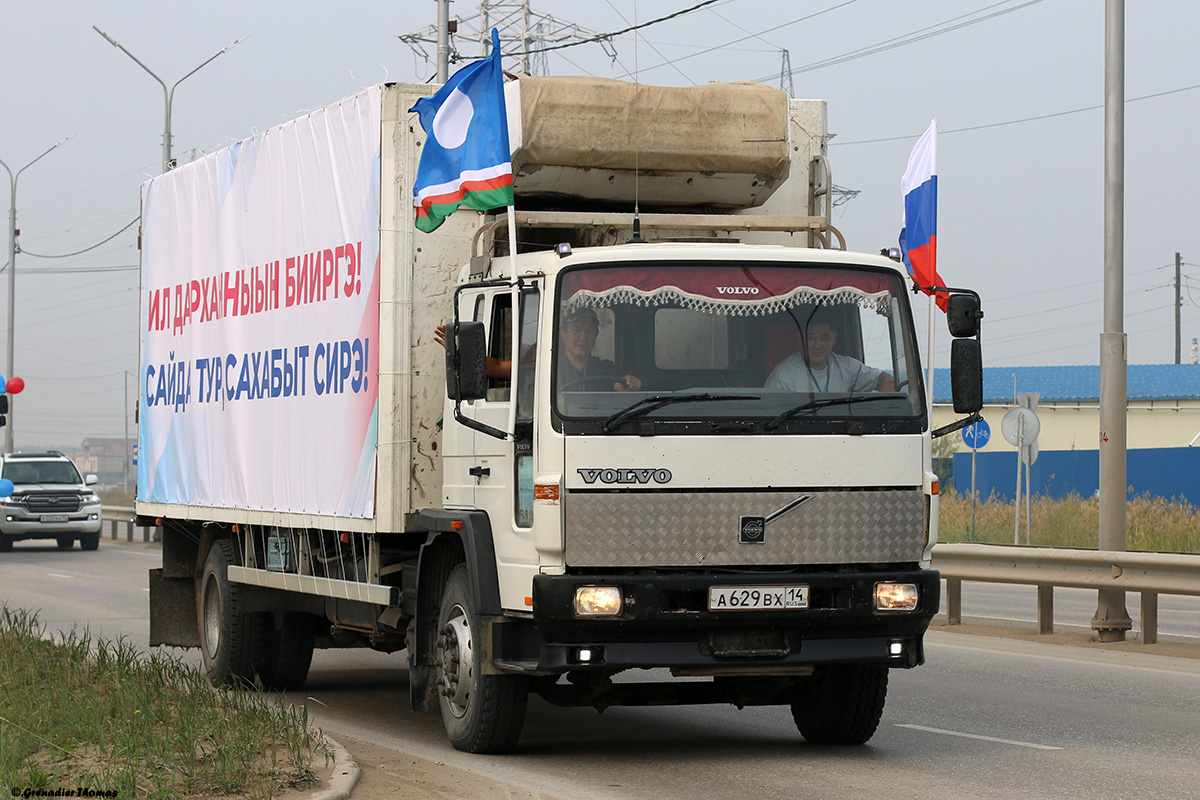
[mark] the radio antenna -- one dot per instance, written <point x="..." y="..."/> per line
<point x="637" y="218"/>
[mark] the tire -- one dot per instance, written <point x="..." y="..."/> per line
<point x="481" y="713"/>
<point x="230" y="640"/>
<point x="5" y="544"/>
<point x="66" y="542"/>
<point x="840" y="704"/>
<point x="287" y="653"/>
<point x="88" y="541"/>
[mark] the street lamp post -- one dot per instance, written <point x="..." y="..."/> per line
<point x="168" y="94"/>
<point x="12" y="275"/>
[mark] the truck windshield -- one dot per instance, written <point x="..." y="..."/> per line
<point x="784" y="347"/>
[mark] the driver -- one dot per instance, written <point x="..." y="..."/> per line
<point x="816" y="368"/>
<point x="578" y="369"/>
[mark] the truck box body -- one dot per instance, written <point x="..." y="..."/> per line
<point x="707" y="452"/>
<point x="248" y="254"/>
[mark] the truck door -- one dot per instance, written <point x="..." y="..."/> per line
<point x="505" y="488"/>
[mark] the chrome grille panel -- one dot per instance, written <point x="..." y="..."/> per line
<point x="663" y="529"/>
<point x="52" y="503"/>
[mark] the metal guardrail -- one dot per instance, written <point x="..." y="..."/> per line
<point x="117" y="516"/>
<point x="1150" y="574"/>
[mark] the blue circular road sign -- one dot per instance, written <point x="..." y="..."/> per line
<point x="977" y="435"/>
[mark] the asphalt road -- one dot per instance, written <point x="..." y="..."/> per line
<point x="986" y="718"/>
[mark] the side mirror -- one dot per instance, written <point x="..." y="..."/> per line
<point x="962" y="315"/>
<point x="91" y="479"/>
<point x="966" y="376"/>
<point x="466" y="361"/>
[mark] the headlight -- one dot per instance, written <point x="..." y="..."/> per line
<point x="896" y="596"/>
<point x="89" y="499"/>
<point x="598" y="601"/>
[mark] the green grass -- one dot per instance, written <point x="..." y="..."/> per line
<point x="78" y="712"/>
<point x="1153" y="524"/>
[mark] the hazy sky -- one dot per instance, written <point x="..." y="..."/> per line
<point x="1021" y="214"/>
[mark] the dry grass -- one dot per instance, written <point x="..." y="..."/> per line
<point x="1154" y="524"/>
<point x="81" y="713"/>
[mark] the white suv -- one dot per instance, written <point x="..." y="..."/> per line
<point x="49" y="501"/>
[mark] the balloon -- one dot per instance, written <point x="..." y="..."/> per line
<point x="15" y="385"/>
<point x="6" y="487"/>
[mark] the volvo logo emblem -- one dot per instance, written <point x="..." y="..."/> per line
<point x="753" y="530"/>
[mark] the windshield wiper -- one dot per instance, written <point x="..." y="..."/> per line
<point x="828" y="401"/>
<point x="647" y="404"/>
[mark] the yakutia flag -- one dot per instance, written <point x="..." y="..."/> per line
<point x="466" y="158"/>
<point x="918" y="234"/>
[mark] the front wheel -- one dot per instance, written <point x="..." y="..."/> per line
<point x="230" y="640"/>
<point x="481" y="713"/>
<point x="840" y="703"/>
<point x="88" y="541"/>
<point x="287" y="653"/>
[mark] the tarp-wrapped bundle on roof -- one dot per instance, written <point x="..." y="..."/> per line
<point x="722" y="145"/>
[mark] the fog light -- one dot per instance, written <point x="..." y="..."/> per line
<point x="896" y="596"/>
<point x="896" y="648"/>
<point x="597" y="601"/>
<point x="585" y="654"/>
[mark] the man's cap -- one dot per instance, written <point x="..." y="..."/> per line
<point x="580" y="314"/>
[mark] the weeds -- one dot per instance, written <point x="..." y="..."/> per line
<point x="97" y="715"/>
<point x="1153" y="524"/>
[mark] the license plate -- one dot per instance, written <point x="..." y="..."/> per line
<point x="757" y="598"/>
<point x="54" y="518"/>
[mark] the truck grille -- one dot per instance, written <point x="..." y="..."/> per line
<point x="704" y="529"/>
<point x="52" y="503"/>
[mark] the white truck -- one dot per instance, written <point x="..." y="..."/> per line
<point x="623" y="481"/>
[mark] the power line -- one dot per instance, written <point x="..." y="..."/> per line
<point x="1018" y="121"/>
<point x="614" y="34"/>
<point x="909" y="38"/>
<point x="93" y="247"/>
<point x="748" y="36"/>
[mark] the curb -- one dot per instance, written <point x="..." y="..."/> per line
<point x="346" y="774"/>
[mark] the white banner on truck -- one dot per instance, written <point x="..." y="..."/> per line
<point x="260" y="321"/>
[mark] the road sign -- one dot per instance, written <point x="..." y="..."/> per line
<point x="1029" y="454"/>
<point x="1025" y="421"/>
<point x="977" y="435"/>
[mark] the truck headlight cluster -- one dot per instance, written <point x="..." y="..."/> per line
<point x="598" y="601"/>
<point x="896" y="596"/>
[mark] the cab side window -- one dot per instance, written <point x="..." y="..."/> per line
<point x="500" y="344"/>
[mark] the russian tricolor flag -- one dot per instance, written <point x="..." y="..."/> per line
<point x="918" y="234"/>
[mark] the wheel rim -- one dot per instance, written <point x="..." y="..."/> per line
<point x="455" y="661"/>
<point x="212" y="617"/>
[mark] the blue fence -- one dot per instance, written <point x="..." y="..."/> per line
<point x="1162" y="472"/>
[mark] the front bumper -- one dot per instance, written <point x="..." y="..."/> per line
<point x="665" y="623"/>
<point x="18" y="524"/>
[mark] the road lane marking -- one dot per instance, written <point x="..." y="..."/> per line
<point x="977" y="736"/>
<point x="56" y="575"/>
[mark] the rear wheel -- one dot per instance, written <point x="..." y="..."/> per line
<point x="66" y="542"/>
<point x="88" y="541"/>
<point x="481" y="713"/>
<point x="840" y="703"/>
<point x="287" y="653"/>
<point x="230" y="640"/>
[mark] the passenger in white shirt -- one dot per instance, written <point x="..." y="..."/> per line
<point x="822" y="370"/>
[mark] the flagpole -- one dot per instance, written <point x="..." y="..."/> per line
<point x="929" y="368"/>
<point x="515" y="355"/>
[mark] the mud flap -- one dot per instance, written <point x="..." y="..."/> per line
<point x="173" y="611"/>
